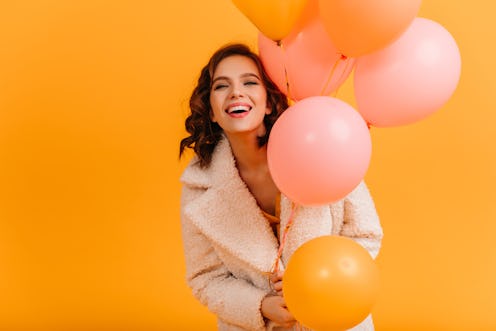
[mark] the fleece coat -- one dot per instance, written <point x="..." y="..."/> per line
<point x="230" y="246"/>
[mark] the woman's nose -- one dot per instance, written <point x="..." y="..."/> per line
<point x="236" y="92"/>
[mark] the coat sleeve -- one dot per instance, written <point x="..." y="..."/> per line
<point x="233" y="300"/>
<point x="360" y="220"/>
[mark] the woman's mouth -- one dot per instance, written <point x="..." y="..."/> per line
<point x="238" y="110"/>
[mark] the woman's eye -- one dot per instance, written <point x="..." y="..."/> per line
<point x="251" y="83"/>
<point x="219" y="87"/>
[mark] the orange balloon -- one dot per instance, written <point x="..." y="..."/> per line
<point x="274" y="18"/>
<point x="331" y="283"/>
<point x="359" y="27"/>
<point x="310" y="13"/>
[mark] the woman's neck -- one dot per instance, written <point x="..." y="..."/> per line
<point x="251" y="161"/>
<point x="249" y="156"/>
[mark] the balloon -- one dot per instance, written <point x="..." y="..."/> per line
<point x="307" y="61"/>
<point x="411" y="78"/>
<point x="358" y="27"/>
<point x="331" y="283"/>
<point x="310" y="12"/>
<point x="318" y="150"/>
<point x="274" y="18"/>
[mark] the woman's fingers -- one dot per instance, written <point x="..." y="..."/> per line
<point x="276" y="282"/>
<point x="277" y="286"/>
<point x="286" y="317"/>
<point x="274" y="308"/>
<point x="276" y="276"/>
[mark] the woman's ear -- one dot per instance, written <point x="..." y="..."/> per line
<point x="268" y="107"/>
<point x="212" y="116"/>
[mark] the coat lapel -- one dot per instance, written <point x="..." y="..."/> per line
<point x="227" y="213"/>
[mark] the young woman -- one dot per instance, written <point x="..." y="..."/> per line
<point x="231" y="210"/>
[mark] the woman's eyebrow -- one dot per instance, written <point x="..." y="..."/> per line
<point x="248" y="74"/>
<point x="219" y="78"/>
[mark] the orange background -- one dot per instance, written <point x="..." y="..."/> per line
<point x="93" y="95"/>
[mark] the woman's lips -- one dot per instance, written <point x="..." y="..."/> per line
<point x="238" y="109"/>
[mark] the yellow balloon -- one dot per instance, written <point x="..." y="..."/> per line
<point x="274" y="18"/>
<point x="330" y="283"/>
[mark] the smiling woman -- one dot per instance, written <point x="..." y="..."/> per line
<point x="238" y="97"/>
<point x="231" y="210"/>
<point x="204" y="134"/>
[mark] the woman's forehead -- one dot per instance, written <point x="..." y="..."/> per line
<point x="236" y="65"/>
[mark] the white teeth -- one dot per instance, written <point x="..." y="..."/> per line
<point x="238" y="109"/>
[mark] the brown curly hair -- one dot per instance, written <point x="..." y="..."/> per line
<point x="205" y="134"/>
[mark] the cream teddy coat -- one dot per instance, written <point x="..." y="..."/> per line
<point x="230" y="247"/>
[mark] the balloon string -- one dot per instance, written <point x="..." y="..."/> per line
<point x="347" y="59"/>
<point x="294" y="208"/>
<point x="286" y="76"/>
<point x="275" y="266"/>
<point x="331" y="74"/>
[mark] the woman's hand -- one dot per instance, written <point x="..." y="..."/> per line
<point x="276" y="282"/>
<point x="274" y="307"/>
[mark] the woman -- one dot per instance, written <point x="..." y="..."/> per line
<point x="231" y="210"/>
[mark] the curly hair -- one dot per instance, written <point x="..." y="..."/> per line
<point x="205" y="134"/>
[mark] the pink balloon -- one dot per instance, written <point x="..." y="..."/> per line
<point x="319" y="150"/>
<point x="410" y="79"/>
<point x="307" y="60"/>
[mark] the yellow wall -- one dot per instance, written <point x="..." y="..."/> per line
<point x="93" y="95"/>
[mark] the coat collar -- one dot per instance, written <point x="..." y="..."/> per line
<point x="229" y="215"/>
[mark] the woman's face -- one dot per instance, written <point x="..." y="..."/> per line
<point x="238" y="96"/>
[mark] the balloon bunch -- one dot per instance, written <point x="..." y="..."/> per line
<point x="406" y="68"/>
